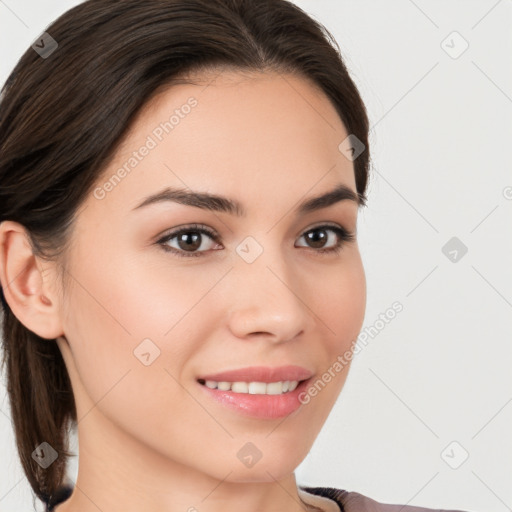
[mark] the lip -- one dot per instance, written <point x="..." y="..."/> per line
<point x="260" y="374"/>
<point x="259" y="406"/>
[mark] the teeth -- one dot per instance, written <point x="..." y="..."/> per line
<point x="240" y="387"/>
<point x="255" y="388"/>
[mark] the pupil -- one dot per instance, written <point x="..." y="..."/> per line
<point x="317" y="236"/>
<point x="196" y="243"/>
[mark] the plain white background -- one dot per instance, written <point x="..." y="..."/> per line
<point x="431" y="387"/>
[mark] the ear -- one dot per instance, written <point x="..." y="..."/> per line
<point x="27" y="287"/>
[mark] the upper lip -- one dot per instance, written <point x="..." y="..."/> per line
<point x="261" y="374"/>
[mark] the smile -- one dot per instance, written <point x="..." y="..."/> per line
<point x="253" y="388"/>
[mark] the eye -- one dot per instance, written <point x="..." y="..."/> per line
<point x="322" y="242"/>
<point x="189" y="240"/>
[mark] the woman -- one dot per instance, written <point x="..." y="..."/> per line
<point x="180" y="183"/>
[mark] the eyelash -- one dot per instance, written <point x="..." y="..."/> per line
<point x="344" y="236"/>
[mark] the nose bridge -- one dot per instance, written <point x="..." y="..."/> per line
<point x="265" y="298"/>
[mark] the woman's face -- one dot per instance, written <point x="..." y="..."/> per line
<point x="145" y="318"/>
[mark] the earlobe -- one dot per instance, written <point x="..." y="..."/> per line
<point x="25" y="286"/>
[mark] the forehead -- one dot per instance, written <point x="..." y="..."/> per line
<point x="250" y="136"/>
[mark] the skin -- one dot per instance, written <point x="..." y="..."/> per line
<point x="149" y="437"/>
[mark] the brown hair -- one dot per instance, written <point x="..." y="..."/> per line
<point x="62" y="118"/>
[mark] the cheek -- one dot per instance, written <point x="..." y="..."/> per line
<point x="139" y="298"/>
<point x="113" y="310"/>
<point x="107" y="319"/>
<point x="341" y="302"/>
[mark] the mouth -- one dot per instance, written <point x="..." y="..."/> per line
<point x="254" y="387"/>
<point x="256" y="376"/>
<point x="256" y="399"/>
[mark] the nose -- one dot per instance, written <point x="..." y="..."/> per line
<point x="266" y="300"/>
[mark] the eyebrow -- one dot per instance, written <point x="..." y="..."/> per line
<point x="217" y="203"/>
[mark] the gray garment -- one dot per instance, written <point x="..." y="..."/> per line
<point x="355" y="502"/>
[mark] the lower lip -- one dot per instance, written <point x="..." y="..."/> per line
<point x="259" y="406"/>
